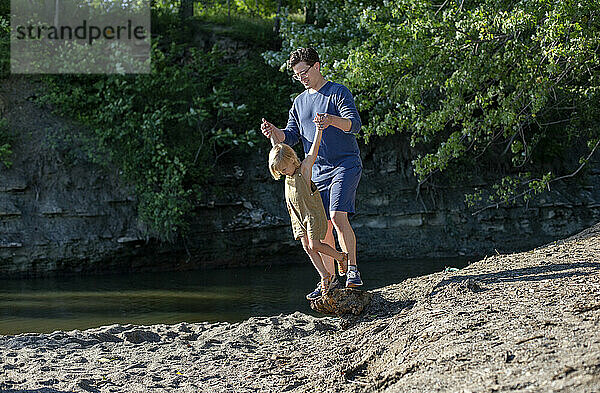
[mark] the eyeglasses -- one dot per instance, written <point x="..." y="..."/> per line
<point x="301" y="74"/>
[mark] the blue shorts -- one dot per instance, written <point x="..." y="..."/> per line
<point x="339" y="192"/>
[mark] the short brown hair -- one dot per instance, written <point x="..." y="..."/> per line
<point x="307" y="55"/>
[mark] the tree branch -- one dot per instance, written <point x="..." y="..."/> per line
<point x="515" y="197"/>
<point x="440" y="8"/>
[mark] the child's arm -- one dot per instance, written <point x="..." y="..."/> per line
<point x="311" y="157"/>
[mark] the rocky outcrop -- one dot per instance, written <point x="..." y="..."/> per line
<point x="59" y="212"/>
<point x="342" y="301"/>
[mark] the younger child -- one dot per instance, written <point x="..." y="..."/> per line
<point x="309" y="222"/>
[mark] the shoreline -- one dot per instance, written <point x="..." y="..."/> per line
<point x="527" y="321"/>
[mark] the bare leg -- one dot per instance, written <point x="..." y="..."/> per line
<point x="346" y="235"/>
<point x="329" y="240"/>
<point x="325" y="249"/>
<point x="315" y="258"/>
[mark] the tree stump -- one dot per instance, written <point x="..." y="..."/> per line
<point x="342" y="301"/>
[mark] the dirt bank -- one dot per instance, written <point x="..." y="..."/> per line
<point x="519" y="322"/>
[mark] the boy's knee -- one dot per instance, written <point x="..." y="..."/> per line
<point x="308" y="245"/>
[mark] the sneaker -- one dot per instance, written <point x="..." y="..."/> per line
<point x="343" y="264"/>
<point x="314" y="295"/>
<point x="323" y="287"/>
<point x="353" y="279"/>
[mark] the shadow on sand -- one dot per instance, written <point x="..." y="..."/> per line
<point x="537" y="273"/>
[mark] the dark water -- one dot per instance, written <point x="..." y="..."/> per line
<point x="46" y="305"/>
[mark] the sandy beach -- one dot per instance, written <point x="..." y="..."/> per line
<point x="519" y="322"/>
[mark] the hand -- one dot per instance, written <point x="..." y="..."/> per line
<point x="267" y="128"/>
<point x="323" y="120"/>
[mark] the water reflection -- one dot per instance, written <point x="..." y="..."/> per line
<point x="45" y="305"/>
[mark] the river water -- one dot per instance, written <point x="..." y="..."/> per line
<point x="67" y="303"/>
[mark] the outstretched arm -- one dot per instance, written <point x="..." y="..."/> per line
<point x="311" y="156"/>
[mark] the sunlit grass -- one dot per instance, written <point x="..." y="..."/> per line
<point x="244" y="28"/>
<point x="296" y="17"/>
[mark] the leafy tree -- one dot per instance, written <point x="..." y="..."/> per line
<point x="338" y="29"/>
<point x="475" y="82"/>
<point x="5" y="146"/>
<point x="255" y="8"/>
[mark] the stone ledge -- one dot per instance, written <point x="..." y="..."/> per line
<point x="52" y="211"/>
<point x="120" y="200"/>
<point x="13" y="188"/>
<point x="13" y="214"/>
<point x="389" y="221"/>
<point x="213" y="204"/>
<point x="58" y="212"/>
<point x="80" y="213"/>
<point x="10" y="245"/>
<point x="129" y="240"/>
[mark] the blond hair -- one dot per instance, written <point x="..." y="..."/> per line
<point x="279" y="156"/>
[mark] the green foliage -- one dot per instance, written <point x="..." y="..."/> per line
<point x="4" y="38"/>
<point x="5" y="149"/>
<point x="212" y="18"/>
<point x="165" y="130"/>
<point x="254" y="31"/>
<point x="75" y="146"/>
<point x="132" y="116"/>
<point x="337" y="32"/>
<point x="232" y="12"/>
<point x="255" y="8"/>
<point x="496" y="82"/>
<point x="5" y="154"/>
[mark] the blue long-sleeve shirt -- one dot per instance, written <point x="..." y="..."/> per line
<point x="338" y="149"/>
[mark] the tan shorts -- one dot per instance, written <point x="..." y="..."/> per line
<point x="314" y="227"/>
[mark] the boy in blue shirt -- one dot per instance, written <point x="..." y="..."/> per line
<point x="338" y="166"/>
